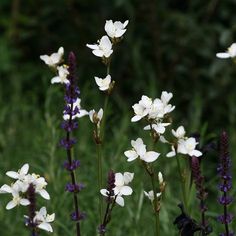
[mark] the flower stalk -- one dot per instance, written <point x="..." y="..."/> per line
<point x="69" y="125"/>
<point x="226" y="183"/>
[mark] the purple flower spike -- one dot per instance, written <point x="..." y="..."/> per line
<point x="78" y="217"/>
<point x="67" y="144"/>
<point x="226" y="183"/>
<point x="73" y="166"/>
<point x="74" y="188"/>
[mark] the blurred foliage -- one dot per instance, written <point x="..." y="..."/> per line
<point x="169" y="45"/>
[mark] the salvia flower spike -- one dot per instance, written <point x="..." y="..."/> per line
<point x="225" y="184"/>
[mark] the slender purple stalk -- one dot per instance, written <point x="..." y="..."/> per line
<point x="201" y="193"/>
<point x="69" y="125"/>
<point x="226" y="183"/>
<point x="110" y="203"/>
<point x="32" y="208"/>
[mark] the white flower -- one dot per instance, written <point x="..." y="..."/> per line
<point x="188" y="147"/>
<point x="172" y="153"/>
<point x="62" y="75"/>
<point x="103" y="48"/>
<point x="96" y="117"/>
<point x="231" y="52"/>
<point x="160" y="128"/>
<point x="139" y="150"/>
<point x="15" y="191"/>
<point x="142" y="108"/>
<point x="81" y="113"/>
<point x="103" y="84"/>
<point x="150" y="195"/>
<point x="165" y="97"/>
<point x="20" y="175"/>
<point x="121" y="187"/>
<point x="160" y="178"/>
<point x="40" y="185"/>
<point x="179" y="133"/>
<point x="43" y="220"/>
<point x="116" y="29"/>
<point x="54" y="58"/>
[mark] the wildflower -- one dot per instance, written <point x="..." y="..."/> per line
<point x="230" y="53"/>
<point x="78" y="112"/>
<point x="54" y="59"/>
<point x="159" y="128"/>
<point x="43" y="220"/>
<point x="95" y="117"/>
<point x="179" y="133"/>
<point x="154" y="110"/>
<point x="150" y="195"/>
<point x="103" y="48"/>
<point x="21" y="174"/>
<point x="226" y="182"/>
<point x="116" y="29"/>
<point x="142" y="108"/>
<point x="121" y="187"/>
<point x="103" y="84"/>
<point x="62" y="75"/>
<point x="188" y="147"/>
<point x="139" y="150"/>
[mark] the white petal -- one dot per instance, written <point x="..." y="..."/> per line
<point x="98" y="53"/>
<point x="5" y="189"/>
<point x="195" y="153"/>
<point x="10" y="205"/>
<point x="92" y="46"/>
<point x="119" y="179"/>
<point x="120" y="201"/>
<point x="45" y="226"/>
<point x="43" y="193"/>
<point x="222" y="55"/>
<point x="24" y="169"/>
<point x="131" y="154"/>
<point x="12" y="174"/>
<point x="150" y="156"/>
<point x="104" y="192"/>
<point x="171" y="154"/>
<point x="128" y="177"/>
<point x="24" y="202"/>
<point x="126" y="190"/>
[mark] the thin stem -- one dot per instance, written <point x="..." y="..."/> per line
<point x="99" y="168"/>
<point x="72" y="175"/>
<point x="156" y="207"/>
<point x="183" y="187"/>
<point x="225" y="217"/>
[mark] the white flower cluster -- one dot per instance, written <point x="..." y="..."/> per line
<point x="19" y="188"/>
<point x="184" y="144"/>
<point x="121" y="187"/>
<point x="54" y="61"/>
<point x="103" y="48"/>
<point x="230" y="53"/>
<point x="154" y="110"/>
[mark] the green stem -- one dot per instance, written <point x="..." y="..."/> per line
<point x="156" y="207"/>
<point x="99" y="168"/>
<point x="183" y="187"/>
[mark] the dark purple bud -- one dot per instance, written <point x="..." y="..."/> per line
<point x="225" y="219"/>
<point x="74" y="188"/>
<point x="70" y="167"/>
<point x="78" y="217"/>
<point x="67" y="144"/>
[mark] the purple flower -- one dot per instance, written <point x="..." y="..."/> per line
<point x="226" y="182"/>
<point x="78" y="217"/>
<point x="70" y="167"/>
<point x="74" y="188"/>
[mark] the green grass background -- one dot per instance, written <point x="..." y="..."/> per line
<point x="169" y="45"/>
